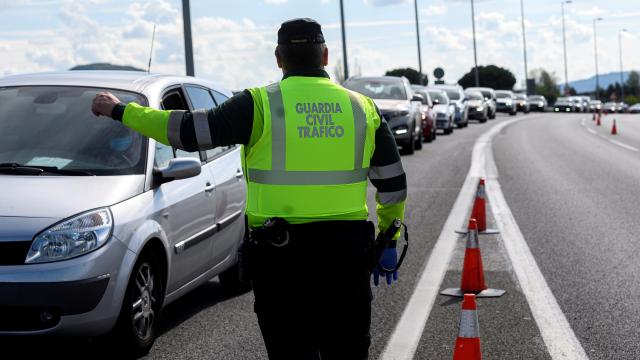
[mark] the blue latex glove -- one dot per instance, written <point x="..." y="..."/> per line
<point x="388" y="260"/>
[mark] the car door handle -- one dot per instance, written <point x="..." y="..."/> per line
<point x="209" y="187"/>
<point x="239" y="173"/>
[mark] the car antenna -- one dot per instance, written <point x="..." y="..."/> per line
<point x="153" y="38"/>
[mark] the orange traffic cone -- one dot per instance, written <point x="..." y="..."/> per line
<point x="614" y="129"/>
<point x="468" y="341"/>
<point x="472" y="271"/>
<point x="479" y="212"/>
<point x="598" y="120"/>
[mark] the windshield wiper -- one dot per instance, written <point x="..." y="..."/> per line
<point x="19" y="169"/>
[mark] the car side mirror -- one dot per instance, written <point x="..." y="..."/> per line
<point x="177" y="169"/>
<point x="417" y="97"/>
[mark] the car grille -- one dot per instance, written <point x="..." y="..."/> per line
<point x="14" y="252"/>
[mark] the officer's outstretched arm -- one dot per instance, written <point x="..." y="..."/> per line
<point x="387" y="175"/>
<point x="228" y="124"/>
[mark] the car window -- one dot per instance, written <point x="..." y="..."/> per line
<point x="174" y="100"/>
<point x="389" y="89"/>
<point x="164" y="154"/>
<point x="218" y="97"/>
<point x="52" y="126"/>
<point x="200" y="98"/>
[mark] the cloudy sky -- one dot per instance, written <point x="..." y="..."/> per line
<point x="234" y="40"/>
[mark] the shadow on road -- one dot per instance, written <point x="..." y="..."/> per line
<point x="174" y="314"/>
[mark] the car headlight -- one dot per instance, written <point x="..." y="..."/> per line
<point x="508" y="103"/>
<point x="541" y="104"/>
<point x="73" y="237"/>
<point x="479" y="108"/>
<point x="401" y="130"/>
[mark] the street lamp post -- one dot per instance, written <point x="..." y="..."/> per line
<point x="344" y="42"/>
<point x="595" y="48"/>
<point x="475" y="54"/>
<point x="188" y="47"/>
<point x="415" y="3"/>
<point x="621" y="71"/>
<point x="524" y="47"/>
<point x="564" y="46"/>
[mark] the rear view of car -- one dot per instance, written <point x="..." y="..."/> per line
<point x="634" y="109"/>
<point x="101" y="227"/>
<point x="537" y="103"/>
<point x="610" y="107"/>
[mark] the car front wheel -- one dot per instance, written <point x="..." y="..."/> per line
<point x="137" y="325"/>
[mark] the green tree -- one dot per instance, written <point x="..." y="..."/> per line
<point x="546" y="84"/>
<point x="490" y="76"/>
<point x="633" y="84"/>
<point x="413" y="75"/>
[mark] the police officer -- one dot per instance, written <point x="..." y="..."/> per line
<point x="309" y="147"/>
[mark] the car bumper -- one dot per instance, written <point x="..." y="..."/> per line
<point x="504" y="108"/>
<point x="443" y="124"/>
<point x="80" y="296"/>
<point x="562" y="109"/>
<point x="476" y="114"/>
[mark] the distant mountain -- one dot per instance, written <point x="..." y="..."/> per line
<point x="105" y="66"/>
<point x="589" y="85"/>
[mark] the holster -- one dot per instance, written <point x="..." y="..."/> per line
<point x="274" y="234"/>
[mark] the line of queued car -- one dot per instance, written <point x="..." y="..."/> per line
<point x="586" y="104"/>
<point x="415" y="113"/>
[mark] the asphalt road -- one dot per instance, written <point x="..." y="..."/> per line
<point x="574" y="198"/>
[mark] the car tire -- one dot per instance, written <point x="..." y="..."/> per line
<point x="145" y="288"/>
<point x="418" y="141"/>
<point x="409" y="147"/>
<point x="230" y="280"/>
<point x="492" y="116"/>
<point x="513" y="113"/>
<point x="434" y="135"/>
<point x="429" y="138"/>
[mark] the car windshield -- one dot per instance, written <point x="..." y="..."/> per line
<point x="535" y="97"/>
<point x="521" y="97"/>
<point x="562" y="99"/>
<point x="503" y="95"/>
<point x="453" y="94"/>
<point x="487" y="94"/>
<point x="438" y="96"/>
<point x="474" y="96"/>
<point x="378" y="88"/>
<point x="52" y="126"/>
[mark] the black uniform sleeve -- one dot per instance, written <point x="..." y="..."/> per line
<point x="230" y="123"/>
<point x="386" y="172"/>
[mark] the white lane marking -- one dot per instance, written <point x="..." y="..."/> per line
<point x="554" y="327"/>
<point x="404" y="340"/>
<point x="619" y="143"/>
<point x="615" y="142"/>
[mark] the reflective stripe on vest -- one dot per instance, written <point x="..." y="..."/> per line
<point x="278" y="175"/>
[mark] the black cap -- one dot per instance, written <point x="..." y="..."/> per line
<point x="300" y="31"/>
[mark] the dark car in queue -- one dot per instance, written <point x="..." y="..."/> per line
<point x="401" y="110"/>
<point x="564" y="104"/>
<point x="478" y="109"/>
<point x="522" y="104"/>
<point x="429" y="132"/>
<point x="537" y="103"/>
<point x="506" y="102"/>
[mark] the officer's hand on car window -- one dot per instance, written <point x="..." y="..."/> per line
<point x="388" y="261"/>
<point x="103" y="104"/>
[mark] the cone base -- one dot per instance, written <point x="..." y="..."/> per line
<point x="487" y="293"/>
<point x="485" y="232"/>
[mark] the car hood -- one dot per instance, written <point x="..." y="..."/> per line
<point x="58" y="197"/>
<point x="441" y="108"/>
<point x="503" y="100"/>
<point x="391" y="104"/>
<point x="475" y="103"/>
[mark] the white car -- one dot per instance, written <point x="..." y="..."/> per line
<point x="444" y="109"/>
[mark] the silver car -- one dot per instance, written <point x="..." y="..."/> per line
<point x="100" y="227"/>
<point x="489" y="97"/>
<point x="457" y="98"/>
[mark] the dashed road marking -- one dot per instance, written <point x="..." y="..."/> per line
<point x="613" y="141"/>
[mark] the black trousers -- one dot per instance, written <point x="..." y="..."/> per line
<point x="313" y="297"/>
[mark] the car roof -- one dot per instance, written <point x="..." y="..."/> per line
<point x="448" y="86"/>
<point x="135" y="81"/>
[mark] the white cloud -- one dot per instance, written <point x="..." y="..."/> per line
<point x="435" y="10"/>
<point x="276" y="2"/>
<point x="593" y="11"/>
<point x="386" y="2"/>
<point x="324" y="2"/>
